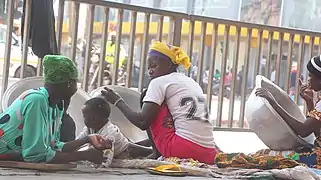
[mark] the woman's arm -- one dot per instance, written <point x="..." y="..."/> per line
<point x="302" y="129"/>
<point x="155" y="96"/>
<point x="141" y="119"/>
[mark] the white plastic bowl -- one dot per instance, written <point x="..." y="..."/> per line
<point x="131" y="97"/>
<point x="268" y="125"/>
<point x="21" y="86"/>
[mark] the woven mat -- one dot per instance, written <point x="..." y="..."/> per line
<point x="296" y="173"/>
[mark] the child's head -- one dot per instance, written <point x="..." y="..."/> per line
<point x="96" y="112"/>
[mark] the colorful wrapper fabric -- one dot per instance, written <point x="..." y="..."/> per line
<point x="240" y="160"/>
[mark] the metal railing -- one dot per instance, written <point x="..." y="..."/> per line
<point x="245" y="43"/>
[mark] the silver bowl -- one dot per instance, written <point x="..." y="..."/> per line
<point x="269" y="125"/>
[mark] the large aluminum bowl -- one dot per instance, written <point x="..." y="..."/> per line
<point x="21" y="86"/>
<point x="131" y="97"/>
<point x="268" y="125"/>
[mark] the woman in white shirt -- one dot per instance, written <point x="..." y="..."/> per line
<point x="174" y="109"/>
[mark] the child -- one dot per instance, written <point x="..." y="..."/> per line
<point x="96" y="113"/>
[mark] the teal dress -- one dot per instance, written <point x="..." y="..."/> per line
<point x="29" y="128"/>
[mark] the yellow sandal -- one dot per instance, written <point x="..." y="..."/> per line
<point x="168" y="170"/>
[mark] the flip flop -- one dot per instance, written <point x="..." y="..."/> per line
<point x="168" y="170"/>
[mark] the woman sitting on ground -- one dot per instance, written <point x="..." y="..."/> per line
<point x="30" y="127"/>
<point x="312" y="124"/>
<point x="174" y="109"/>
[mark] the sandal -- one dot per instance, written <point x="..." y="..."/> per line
<point x="168" y="170"/>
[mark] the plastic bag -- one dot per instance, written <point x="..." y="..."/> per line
<point x="109" y="154"/>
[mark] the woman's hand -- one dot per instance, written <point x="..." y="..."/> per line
<point x="99" y="142"/>
<point x="111" y="96"/>
<point x="306" y="92"/>
<point x="95" y="156"/>
<point x="261" y="92"/>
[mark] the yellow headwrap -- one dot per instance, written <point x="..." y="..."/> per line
<point x="176" y="54"/>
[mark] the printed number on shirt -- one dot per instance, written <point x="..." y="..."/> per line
<point x="194" y="104"/>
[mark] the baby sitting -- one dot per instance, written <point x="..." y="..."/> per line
<point x="96" y="113"/>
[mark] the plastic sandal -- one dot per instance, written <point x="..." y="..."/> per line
<point x="168" y="170"/>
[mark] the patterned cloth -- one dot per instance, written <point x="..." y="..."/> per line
<point x="29" y="128"/>
<point x="175" y="54"/>
<point x="186" y="162"/>
<point x="240" y="160"/>
<point x="59" y="69"/>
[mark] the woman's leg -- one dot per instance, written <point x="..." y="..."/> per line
<point x="147" y="143"/>
<point x="137" y="151"/>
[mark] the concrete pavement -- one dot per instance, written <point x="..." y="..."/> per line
<point x="85" y="173"/>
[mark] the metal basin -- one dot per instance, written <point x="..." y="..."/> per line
<point x="131" y="97"/>
<point x="21" y="86"/>
<point x="268" y="125"/>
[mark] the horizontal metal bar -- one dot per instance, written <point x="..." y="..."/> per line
<point x="254" y="26"/>
<point x="232" y="129"/>
<point x="132" y="7"/>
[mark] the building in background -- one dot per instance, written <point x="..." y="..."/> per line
<point x="261" y="11"/>
<point x="302" y="14"/>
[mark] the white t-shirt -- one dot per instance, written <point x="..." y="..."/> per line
<point x="109" y="130"/>
<point x="186" y="103"/>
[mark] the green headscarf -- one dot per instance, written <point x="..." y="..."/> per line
<point x="59" y="69"/>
